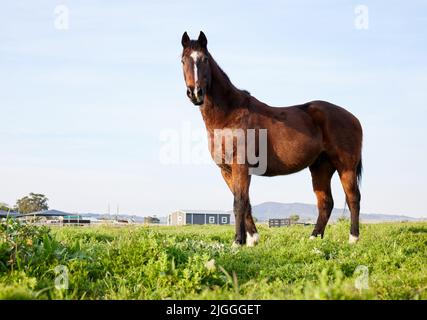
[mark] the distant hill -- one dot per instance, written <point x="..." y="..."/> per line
<point x="113" y="216"/>
<point x="267" y="210"/>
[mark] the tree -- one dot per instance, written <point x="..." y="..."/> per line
<point x="152" y="219"/>
<point x="294" y="218"/>
<point x="4" y="207"/>
<point x="32" y="203"/>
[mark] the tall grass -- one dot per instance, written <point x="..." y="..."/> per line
<point x="198" y="262"/>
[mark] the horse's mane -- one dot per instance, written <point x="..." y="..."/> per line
<point x="226" y="77"/>
<point x="195" y="45"/>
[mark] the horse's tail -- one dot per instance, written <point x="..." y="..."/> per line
<point x="359" y="170"/>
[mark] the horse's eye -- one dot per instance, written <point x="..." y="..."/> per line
<point x="182" y="61"/>
<point x="204" y="60"/>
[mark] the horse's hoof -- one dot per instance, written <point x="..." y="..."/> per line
<point x="235" y="245"/>
<point x="251" y="241"/>
<point x="352" y="239"/>
<point x="312" y="237"/>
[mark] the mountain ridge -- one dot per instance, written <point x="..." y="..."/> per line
<point x="271" y="209"/>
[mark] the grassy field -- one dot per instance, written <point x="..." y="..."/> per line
<point x="197" y="262"/>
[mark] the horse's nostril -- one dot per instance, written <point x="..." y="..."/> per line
<point x="189" y="92"/>
<point x="199" y="92"/>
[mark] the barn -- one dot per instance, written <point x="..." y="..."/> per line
<point x="55" y="217"/>
<point x="183" y="217"/>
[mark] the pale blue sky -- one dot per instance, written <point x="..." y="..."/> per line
<point x="82" y="110"/>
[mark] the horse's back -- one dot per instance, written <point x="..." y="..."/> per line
<point x="341" y="131"/>
<point x="332" y="112"/>
<point x="299" y="134"/>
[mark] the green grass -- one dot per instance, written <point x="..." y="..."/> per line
<point x="197" y="262"/>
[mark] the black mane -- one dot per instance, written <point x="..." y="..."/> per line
<point x="195" y="45"/>
<point x="228" y="78"/>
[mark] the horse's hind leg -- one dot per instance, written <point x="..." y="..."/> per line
<point x="352" y="195"/>
<point x="252" y="236"/>
<point x="322" y="171"/>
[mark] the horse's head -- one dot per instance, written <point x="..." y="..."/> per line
<point x="195" y="63"/>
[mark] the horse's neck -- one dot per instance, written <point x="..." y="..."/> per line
<point x="221" y="99"/>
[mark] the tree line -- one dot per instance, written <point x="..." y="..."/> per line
<point x="32" y="203"/>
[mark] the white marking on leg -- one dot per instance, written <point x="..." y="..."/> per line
<point x="352" y="239"/>
<point x="252" y="240"/>
<point x="312" y="237"/>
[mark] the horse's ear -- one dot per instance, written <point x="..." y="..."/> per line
<point x="185" y="41"/>
<point x="202" y="40"/>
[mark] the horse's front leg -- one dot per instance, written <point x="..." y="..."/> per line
<point x="238" y="181"/>
<point x="241" y="205"/>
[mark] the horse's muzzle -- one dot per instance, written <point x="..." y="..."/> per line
<point x="197" y="102"/>
<point x="196" y="99"/>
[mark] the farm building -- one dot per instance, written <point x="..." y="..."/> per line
<point x="182" y="217"/>
<point x="284" y="222"/>
<point x="54" y="217"/>
<point x="7" y="214"/>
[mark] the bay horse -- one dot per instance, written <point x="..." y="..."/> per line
<point x="318" y="135"/>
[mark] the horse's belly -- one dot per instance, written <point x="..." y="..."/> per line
<point x="292" y="156"/>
